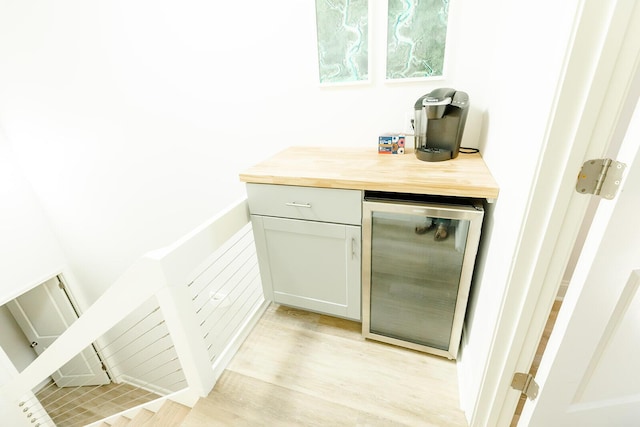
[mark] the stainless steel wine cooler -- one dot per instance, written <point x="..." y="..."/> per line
<point x="418" y="258"/>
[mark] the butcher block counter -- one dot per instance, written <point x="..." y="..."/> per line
<point x="362" y="168"/>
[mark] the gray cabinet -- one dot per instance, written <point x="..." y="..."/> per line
<point x="309" y="246"/>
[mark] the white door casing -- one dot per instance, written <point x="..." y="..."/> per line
<point x="597" y="90"/>
<point x="43" y="314"/>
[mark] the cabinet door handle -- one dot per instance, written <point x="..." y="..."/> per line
<point x="298" y="205"/>
<point x="353" y="247"/>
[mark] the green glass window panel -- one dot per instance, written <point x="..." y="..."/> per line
<point x="416" y="38"/>
<point x="343" y="40"/>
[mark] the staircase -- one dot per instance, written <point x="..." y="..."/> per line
<point x="206" y="293"/>
<point x="170" y="414"/>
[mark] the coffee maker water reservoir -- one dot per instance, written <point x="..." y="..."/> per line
<point x="439" y="122"/>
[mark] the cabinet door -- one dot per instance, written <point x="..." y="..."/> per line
<point x="311" y="265"/>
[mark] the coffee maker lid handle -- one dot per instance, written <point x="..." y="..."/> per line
<point x="418" y="105"/>
<point x="430" y="102"/>
<point x="441" y="96"/>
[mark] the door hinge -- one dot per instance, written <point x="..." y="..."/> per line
<point x="600" y="177"/>
<point x="526" y="384"/>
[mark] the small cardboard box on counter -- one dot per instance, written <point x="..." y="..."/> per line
<point x="391" y="144"/>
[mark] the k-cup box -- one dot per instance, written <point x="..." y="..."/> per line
<point x="391" y="144"/>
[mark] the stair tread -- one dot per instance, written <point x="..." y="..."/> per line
<point x="141" y="417"/>
<point x="121" y="421"/>
<point x="170" y="414"/>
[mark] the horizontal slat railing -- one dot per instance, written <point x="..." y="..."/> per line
<point x="142" y="364"/>
<point x="226" y="292"/>
<point x="165" y="275"/>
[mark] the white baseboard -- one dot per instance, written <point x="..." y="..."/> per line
<point x="152" y="388"/>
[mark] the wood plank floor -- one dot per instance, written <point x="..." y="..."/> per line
<point x="542" y="345"/>
<point x="78" y="406"/>
<point x="305" y="369"/>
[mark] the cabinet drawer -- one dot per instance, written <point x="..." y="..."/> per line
<point x="310" y="203"/>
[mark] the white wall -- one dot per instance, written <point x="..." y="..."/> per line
<point x="133" y="119"/>
<point x="29" y="250"/>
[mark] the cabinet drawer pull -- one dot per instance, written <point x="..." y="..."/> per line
<point x="298" y="205"/>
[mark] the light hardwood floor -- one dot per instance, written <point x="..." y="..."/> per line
<point x="78" y="406"/>
<point x="542" y="345"/>
<point x="305" y="369"/>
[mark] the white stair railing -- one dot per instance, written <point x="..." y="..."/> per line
<point x="169" y="275"/>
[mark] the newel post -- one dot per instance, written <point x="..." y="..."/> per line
<point x="178" y="262"/>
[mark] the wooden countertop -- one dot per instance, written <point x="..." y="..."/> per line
<point x="362" y="168"/>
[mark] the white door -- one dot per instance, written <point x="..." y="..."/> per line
<point x="590" y="372"/>
<point x="43" y="314"/>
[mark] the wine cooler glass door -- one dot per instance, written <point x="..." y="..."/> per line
<point x="417" y="256"/>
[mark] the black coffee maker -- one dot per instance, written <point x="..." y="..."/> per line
<point x="438" y="125"/>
